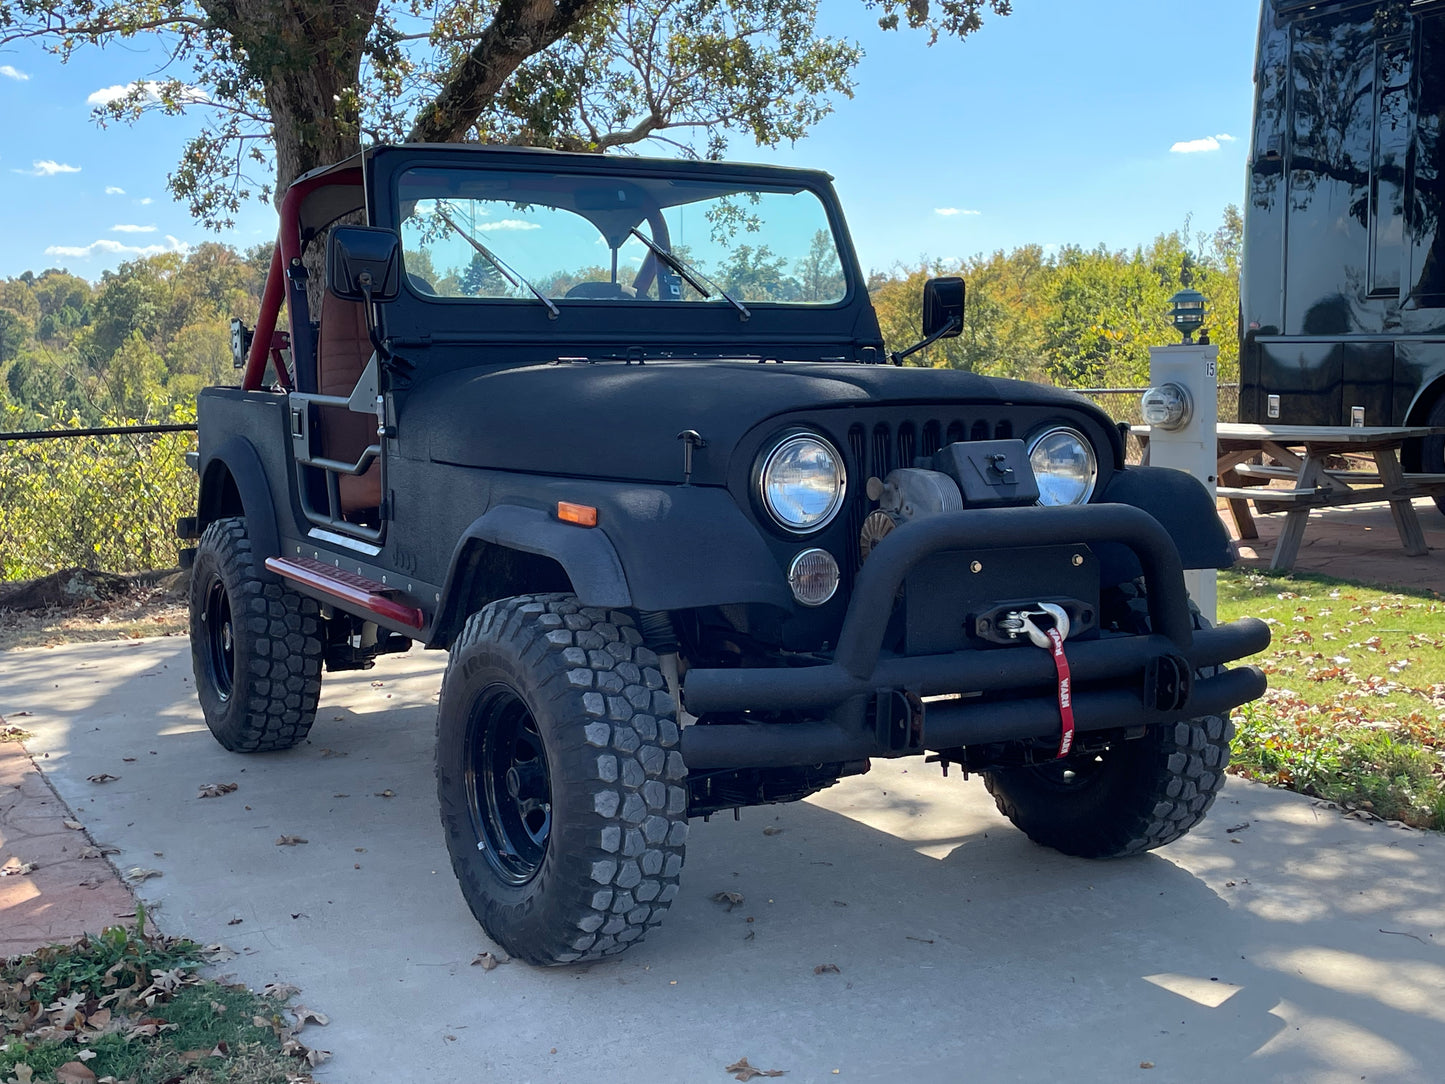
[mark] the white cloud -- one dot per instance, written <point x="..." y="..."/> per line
<point x="146" y="202"/>
<point x="1201" y="146"/>
<point x="949" y="212"/>
<point x="107" y="247"/>
<point x="508" y="224"/>
<point x="112" y="190"/>
<point x="47" y="168"/>
<point x="124" y="228"/>
<point x="13" y="73"/>
<point x="150" y="92"/>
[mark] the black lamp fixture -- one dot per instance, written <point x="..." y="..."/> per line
<point x="1186" y="312"/>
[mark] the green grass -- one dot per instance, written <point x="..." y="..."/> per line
<point x="1355" y="711"/>
<point x="133" y="1008"/>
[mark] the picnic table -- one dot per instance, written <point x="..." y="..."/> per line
<point x="1250" y="457"/>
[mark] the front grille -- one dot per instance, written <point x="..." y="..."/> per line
<point x="874" y="451"/>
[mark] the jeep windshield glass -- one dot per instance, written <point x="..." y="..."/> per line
<point x="570" y="236"/>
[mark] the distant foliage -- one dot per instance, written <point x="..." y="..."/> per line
<point x="133" y="348"/>
<point x="1078" y="317"/>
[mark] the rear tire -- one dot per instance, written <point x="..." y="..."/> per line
<point x="563" y="792"/>
<point x="256" y="648"/>
<point x="1133" y="797"/>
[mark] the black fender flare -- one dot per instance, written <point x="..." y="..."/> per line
<point x="1182" y="506"/>
<point x="238" y="458"/>
<point x="587" y="556"/>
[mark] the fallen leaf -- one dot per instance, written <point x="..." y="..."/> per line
<point x="1146" y="1065"/>
<point x="488" y="962"/>
<point x="332" y="753"/>
<point x="741" y="1070"/>
<point x="290" y="841"/>
<point x="74" y="826"/>
<point x="826" y="969"/>
<point x="772" y="830"/>
<point x="303" y="1015"/>
<point x="101" y="777"/>
<point x="137" y="874"/>
<point x="74" y="1072"/>
<point x="235" y="922"/>
<point x="189" y="1056"/>
<point x="1237" y="828"/>
<point x="23" y="1073"/>
<point x="732" y="899"/>
<point x="386" y="794"/>
<point x="281" y="991"/>
<point x="215" y="790"/>
<point x="217" y="1008"/>
<point x="13" y="867"/>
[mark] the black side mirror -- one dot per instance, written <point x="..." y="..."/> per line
<point x="943" y="307"/>
<point x="363" y="263"/>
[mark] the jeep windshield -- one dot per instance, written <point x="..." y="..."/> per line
<point x="572" y="237"/>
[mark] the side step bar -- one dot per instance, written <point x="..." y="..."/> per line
<point x="348" y="587"/>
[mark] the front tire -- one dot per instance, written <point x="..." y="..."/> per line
<point x="562" y="788"/>
<point x="1134" y="796"/>
<point x="256" y="648"/>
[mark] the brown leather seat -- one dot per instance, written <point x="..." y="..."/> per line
<point x="343" y="348"/>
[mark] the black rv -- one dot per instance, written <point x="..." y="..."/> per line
<point x="1343" y="292"/>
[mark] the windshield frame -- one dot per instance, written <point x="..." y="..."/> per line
<point x="745" y="177"/>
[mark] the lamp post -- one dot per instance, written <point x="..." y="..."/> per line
<point x="1182" y="412"/>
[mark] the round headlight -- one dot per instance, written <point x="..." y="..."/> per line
<point x="1064" y="465"/>
<point x="802" y="483"/>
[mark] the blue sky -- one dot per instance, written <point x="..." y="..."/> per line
<point x="1065" y="123"/>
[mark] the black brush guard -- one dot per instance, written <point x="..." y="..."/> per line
<point x="1130" y="667"/>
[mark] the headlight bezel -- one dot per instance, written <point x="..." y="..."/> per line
<point x="770" y="458"/>
<point x="1092" y="456"/>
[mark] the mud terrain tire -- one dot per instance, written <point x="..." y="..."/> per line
<point x="256" y="647"/>
<point x="563" y="792"/>
<point x="1133" y="797"/>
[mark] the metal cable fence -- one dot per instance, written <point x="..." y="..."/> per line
<point x="103" y="498"/>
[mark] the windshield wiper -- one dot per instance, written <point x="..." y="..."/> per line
<point x="690" y="274"/>
<point x="509" y="273"/>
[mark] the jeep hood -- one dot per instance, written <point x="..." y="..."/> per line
<point x="619" y="421"/>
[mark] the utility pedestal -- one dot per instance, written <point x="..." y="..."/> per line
<point x="1182" y="411"/>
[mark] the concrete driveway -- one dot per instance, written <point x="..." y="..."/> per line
<point x="1280" y="942"/>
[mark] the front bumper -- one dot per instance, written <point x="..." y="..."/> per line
<point x="1117" y="679"/>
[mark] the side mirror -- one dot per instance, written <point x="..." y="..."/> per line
<point x="943" y="307"/>
<point x="363" y="263"/>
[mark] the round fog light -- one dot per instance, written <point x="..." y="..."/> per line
<point x="813" y="576"/>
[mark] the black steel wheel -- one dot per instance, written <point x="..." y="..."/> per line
<point x="562" y="789"/>
<point x="220" y="637"/>
<point x="509" y="786"/>
<point x="256" y="648"/>
<point x="1131" y="797"/>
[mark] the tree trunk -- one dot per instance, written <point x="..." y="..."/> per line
<point x="307" y="54"/>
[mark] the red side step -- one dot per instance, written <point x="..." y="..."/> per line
<point x="347" y="586"/>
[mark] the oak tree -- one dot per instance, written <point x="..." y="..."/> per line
<point x="294" y="84"/>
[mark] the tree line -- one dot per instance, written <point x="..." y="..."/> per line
<point x="139" y="343"/>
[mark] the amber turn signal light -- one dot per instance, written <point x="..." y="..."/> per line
<point x="584" y="515"/>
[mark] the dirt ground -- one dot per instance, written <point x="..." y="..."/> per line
<point x="146" y="604"/>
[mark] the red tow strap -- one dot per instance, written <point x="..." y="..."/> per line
<point x="1066" y="694"/>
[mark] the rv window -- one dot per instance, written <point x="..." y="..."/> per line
<point x="1428" y="180"/>
<point x="1392" y="141"/>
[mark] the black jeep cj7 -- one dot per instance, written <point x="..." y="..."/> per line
<point x="620" y="435"/>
